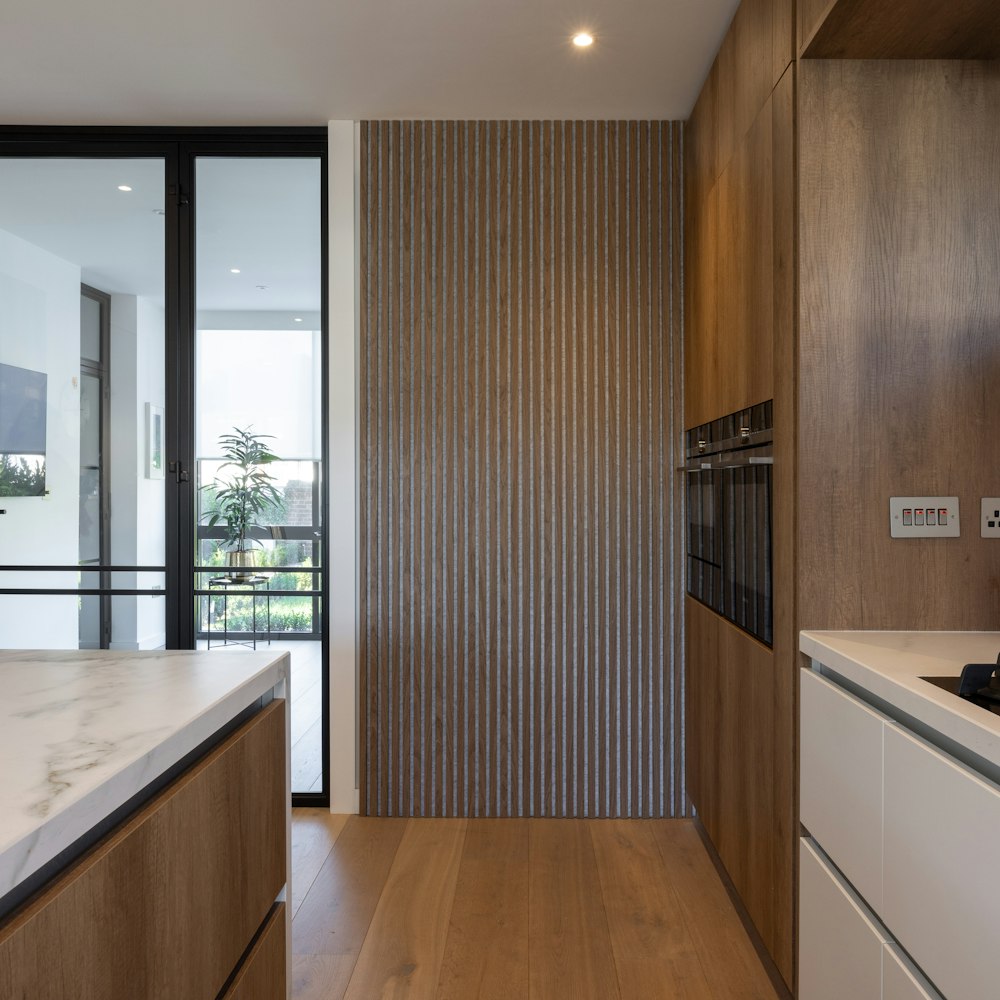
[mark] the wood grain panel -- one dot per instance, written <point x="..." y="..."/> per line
<point x="520" y="316"/>
<point x="899" y="308"/>
<point x="733" y="753"/>
<point x="182" y="887"/>
<point x="784" y="767"/>
<point x="809" y="15"/>
<point x="729" y="258"/>
<point x="486" y="953"/>
<point x="262" y="975"/>
<point x="739" y="350"/>
<point x="901" y="29"/>
<point x="570" y="947"/>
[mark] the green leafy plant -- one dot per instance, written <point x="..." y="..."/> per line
<point x="19" y="479"/>
<point x="247" y="493"/>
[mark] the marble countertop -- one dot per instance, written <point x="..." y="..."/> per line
<point x="889" y="665"/>
<point x="82" y="732"/>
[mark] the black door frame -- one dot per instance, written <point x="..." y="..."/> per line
<point x="101" y="370"/>
<point x="179" y="148"/>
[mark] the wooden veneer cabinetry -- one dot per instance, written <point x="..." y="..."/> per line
<point x="739" y="186"/>
<point x="166" y="906"/>
<point x="740" y="349"/>
<point x="899" y="29"/>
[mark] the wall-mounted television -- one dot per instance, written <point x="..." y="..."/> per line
<point x="22" y="432"/>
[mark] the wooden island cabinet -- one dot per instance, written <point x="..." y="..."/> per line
<point x="183" y="896"/>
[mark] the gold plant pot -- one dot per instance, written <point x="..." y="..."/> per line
<point x="241" y="563"/>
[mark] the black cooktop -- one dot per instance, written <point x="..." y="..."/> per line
<point x="952" y="685"/>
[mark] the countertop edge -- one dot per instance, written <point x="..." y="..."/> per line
<point x="964" y="724"/>
<point x="21" y="859"/>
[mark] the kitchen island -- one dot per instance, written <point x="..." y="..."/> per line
<point x="144" y="816"/>
<point x="899" y="806"/>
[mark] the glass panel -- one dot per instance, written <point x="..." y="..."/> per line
<point x="90" y="329"/>
<point x="64" y="222"/>
<point x="259" y="363"/>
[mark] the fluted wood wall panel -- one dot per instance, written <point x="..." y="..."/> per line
<point x="520" y="525"/>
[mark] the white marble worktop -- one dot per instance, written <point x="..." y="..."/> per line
<point x="82" y="732"/>
<point x="889" y="665"/>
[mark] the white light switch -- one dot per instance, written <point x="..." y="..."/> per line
<point x="924" y="517"/>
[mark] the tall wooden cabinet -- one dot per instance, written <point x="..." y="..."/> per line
<point x="740" y="176"/>
<point x="842" y="257"/>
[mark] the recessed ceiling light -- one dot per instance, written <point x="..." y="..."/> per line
<point x="298" y="319"/>
<point x="124" y="187"/>
<point x="234" y="270"/>
<point x="582" y="40"/>
<point x="261" y="288"/>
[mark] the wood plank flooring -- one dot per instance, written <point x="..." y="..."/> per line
<point x="484" y="909"/>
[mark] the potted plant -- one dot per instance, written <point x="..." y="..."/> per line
<point x="244" y="495"/>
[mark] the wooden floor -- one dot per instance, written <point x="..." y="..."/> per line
<point x="547" y="909"/>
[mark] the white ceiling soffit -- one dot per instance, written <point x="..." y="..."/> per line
<point x="302" y="62"/>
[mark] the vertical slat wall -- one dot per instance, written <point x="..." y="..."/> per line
<point x="520" y="532"/>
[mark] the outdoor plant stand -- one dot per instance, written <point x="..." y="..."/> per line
<point x="258" y="586"/>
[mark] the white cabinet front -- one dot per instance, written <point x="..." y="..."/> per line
<point x="941" y="896"/>
<point x="900" y="981"/>
<point x="840" y="948"/>
<point x="840" y="779"/>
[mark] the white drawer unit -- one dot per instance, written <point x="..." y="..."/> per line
<point x="845" y="952"/>
<point x="941" y="905"/>
<point x="840" y="947"/>
<point x="841" y="781"/>
<point x="900" y="980"/>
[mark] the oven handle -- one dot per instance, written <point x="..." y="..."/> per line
<point x="730" y="462"/>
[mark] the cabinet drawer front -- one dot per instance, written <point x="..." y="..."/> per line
<point x="840" y="781"/>
<point x="940" y="904"/>
<point x="165" y="906"/>
<point x="262" y="975"/>
<point x="900" y="981"/>
<point x="840" y="948"/>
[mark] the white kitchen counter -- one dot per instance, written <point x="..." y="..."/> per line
<point x="889" y="666"/>
<point x="82" y="732"/>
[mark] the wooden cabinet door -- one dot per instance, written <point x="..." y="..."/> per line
<point x="840" y="781"/>
<point x="940" y="892"/>
<point x="840" y="947"/>
<point x="166" y="905"/>
<point x="263" y="975"/>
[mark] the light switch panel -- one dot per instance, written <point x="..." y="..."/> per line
<point x="924" y="517"/>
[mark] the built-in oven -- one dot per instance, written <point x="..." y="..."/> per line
<point x="728" y="467"/>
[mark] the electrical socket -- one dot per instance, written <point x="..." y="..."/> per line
<point x="989" y="519"/>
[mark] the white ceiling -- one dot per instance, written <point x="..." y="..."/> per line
<point x="263" y="62"/>
<point x="261" y="215"/>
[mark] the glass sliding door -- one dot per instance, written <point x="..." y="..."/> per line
<point x="82" y="266"/>
<point x="259" y="438"/>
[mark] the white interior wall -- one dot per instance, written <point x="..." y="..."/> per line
<point x="40" y="330"/>
<point x="343" y="159"/>
<point x="137" y="503"/>
<point x="123" y="368"/>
